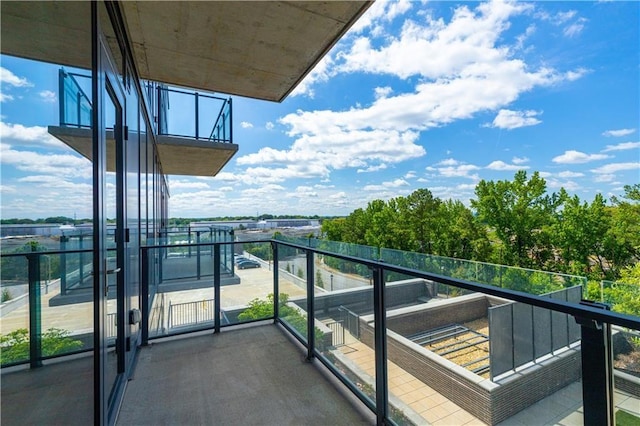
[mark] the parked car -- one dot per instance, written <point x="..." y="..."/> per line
<point x="240" y="259"/>
<point x="247" y="264"/>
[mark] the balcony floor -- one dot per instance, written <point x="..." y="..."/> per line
<point x="250" y="376"/>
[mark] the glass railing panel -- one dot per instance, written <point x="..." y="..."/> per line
<point x="626" y="363"/>
<point x="292" y="285"/>
<point x="66" y="319"/>
<point x="180" y="119"/>
<point x="479" y="359"/>
<point x="179" y="300"/>
<point x="14" y="310"/>
<point x="76" y="106"/>
<point x="344" y="321"/>
<point x="248" y="294"/>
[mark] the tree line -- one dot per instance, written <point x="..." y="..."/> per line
<point x="514" y="222"/>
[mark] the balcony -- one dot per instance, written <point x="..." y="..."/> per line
<point x="201" y="147"/>
<point x="389" y="336"/>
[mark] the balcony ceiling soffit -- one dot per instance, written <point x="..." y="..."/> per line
<point x="256" y="49"/>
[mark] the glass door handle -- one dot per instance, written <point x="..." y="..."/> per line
<point x="113" y="271"/>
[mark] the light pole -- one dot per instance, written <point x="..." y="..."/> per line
<point x="331" y="282"/>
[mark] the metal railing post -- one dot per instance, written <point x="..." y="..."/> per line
<point x="197" y="117"/>
<point x="145" y="296"/>
<point x="597" y="369"/>
<point x="380" y="340"/>
<point x="61" y="74"/>
<point x="230" y="121"/>
<point x="158" y="112"/>
<point x="35" y="310"/>
<point x="63" y="265"/>
<point x="311" y="329"/>
<point x="216" y="288"/>
<point x="81" y="258"/>
<point x="198" y="271"/>
<point x="276" y="286"/>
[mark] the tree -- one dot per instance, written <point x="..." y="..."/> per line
<point x="519" y="211"/>
<point x="421" y="213"/>
<point x="462" y="235"/>
<point x="334" y="229"/>
<point x="579" y="236"/>
<point x="622" y="240"/>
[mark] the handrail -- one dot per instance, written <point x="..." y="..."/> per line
<point x="588" y="312"/>
<point x="224" y="112"/>
<point x="582" y="311"/>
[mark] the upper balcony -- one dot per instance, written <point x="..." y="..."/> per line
<point x="194" y="130"/>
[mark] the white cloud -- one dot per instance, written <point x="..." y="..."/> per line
<point x="55" y="164"/>
<point x="577" y="157"/>
<point x="461" y="69"/>
<point x="618" y="133"/>
<point x="451" y="168"/>
<point x="616" y="167"/>
<point x="185" y="184"/>
<point x="605" y="177"/>
<point x="329" y="147"/>
<point x="246" y="125"/>
<point x="28" y="136"/>
<point x="303" y="192"/>
<point x="502" y="166"/>
<point x="410" y="175"/>
<point x="48" y="96"/>
<point x="264" y="190"/>
<point x="382" y="92"/>
<point x="622" y="146"/>
<point x="568" y="174"/>
<point x="7" y="77"/>
<point x="568" y="184"/>
<point x="378" y="12"/>
<point x="338" y="195"/>
<point x="269" y="125"/>
<point x="320" y="73"/>
<point x="373" y="168"/>
<point x="5" y="98"/>
<point x="5" y="189"/>
<point x="519" y="160"/>
<point x="575" y="28"/>
<point x="507" y="119"/>
<point x="448" y="162"/>
<point x="397" y="183"/>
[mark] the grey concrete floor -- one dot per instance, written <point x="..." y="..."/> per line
<point x="249" y="376"/>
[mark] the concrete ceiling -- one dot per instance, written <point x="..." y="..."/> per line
<point x="257" y="49"/>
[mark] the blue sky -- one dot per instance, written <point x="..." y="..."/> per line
<point x="433" y="95"/>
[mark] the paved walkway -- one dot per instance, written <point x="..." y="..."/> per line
<point x="561" y="408"/>
<point x="433" y="407"/>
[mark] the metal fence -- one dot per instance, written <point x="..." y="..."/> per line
<point x="521" y="333"/>
<point x="191" y="313"/>
<point x="337" y="333"/>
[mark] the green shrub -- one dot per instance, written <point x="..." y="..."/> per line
<point x="6" y="295"/>
<point x="14" y="346"/>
